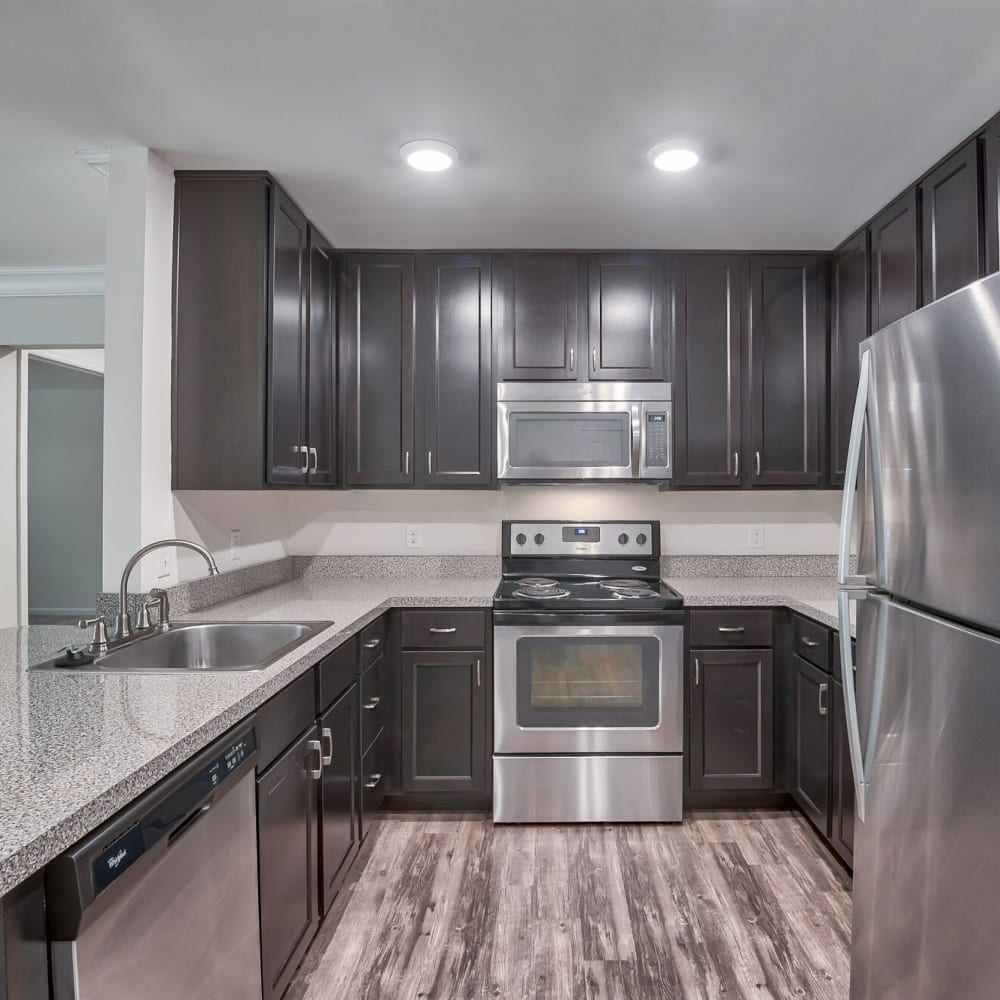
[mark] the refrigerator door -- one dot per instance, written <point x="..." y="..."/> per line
<point x="933" y="418"/>
<point x="926" y="881"/>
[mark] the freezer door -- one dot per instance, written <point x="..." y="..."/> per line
<point x="934" y="420"/>
<point x="926" y="880"/>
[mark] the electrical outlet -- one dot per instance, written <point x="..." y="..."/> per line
<point x="163" y="566"/>
<point x="756" y="536"/>
<point x="413" y="536"/>
<point x="234" y="544"/>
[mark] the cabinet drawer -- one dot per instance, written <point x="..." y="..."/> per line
<point x="444" y="629"/>
<point x="373" y="692"/>
<point x="281" y="719"/>
<point x="372" y="642"/>
<point x="372" y="783"/>
<point x="812" y="643"/>
<point x="336" y="673"/>
<point x="736" y="627"/>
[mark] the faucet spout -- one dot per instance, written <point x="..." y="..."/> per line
<point x="123" y="622"/>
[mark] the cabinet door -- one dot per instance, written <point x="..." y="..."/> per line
<point x="811" y="751"/>
<point x="626" y="318"/>
<point x="537" y="312"/>
<point x="455" y="371"/>
<point x="849" y="314"/>
<point x="444" y="721"/>
<point x="895" y="259"/>
<point x="732" y="718"/>
<point x="951" y="210"/>
<point x="288" y="865"/>
<point x="991" y="185"/>
<point x="706" y="303"/>
<point x="377" y="351"/>
<point x="338" y="828"/>
<point x="322" y="406"/>
<point x="787" y="362"/>
<point x="287" y="450"/>
<point x="842" y="811"/>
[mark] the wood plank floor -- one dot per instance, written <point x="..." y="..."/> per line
<point x="726" y="905"/>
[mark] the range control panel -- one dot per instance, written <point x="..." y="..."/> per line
<point x="583" y="538"/>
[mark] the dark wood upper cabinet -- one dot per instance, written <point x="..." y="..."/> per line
<point x="732" y="718"/>
<point x="287" y="451"/>
<point x="787" y="368"/>
<point x="951" y="209"/>
<point x="706" y="306"/>
<point x="895" y="261"/>
<point x="849" y="315"/>
<point x="627" y="319"/>
<point x="991" y="191"/>
<point x="377" y="369"/>
<point x="454" y="371"/>
<point x="444" y="723"/>
<point x="322" y="356"/>
<point x="537" y="315"/>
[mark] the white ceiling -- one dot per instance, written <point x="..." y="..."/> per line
<point x="814" y="113"/>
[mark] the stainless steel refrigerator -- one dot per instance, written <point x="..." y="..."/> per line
<point x="923" y="698"/>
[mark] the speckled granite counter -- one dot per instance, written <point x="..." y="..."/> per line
<point x="76" y="748"/>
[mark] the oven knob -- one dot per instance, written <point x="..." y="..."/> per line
<point x="539" y="538"/>
<point x="640" y="539"/>
<point x="623" y="539"/>
<point x="521" y="538"/>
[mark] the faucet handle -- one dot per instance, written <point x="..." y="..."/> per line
<point x="161" y="602"/>
<point x="99" y="640"/>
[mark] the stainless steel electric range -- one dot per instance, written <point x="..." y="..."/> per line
<point x="588" y="676"/>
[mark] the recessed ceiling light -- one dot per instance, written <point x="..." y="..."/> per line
<point x="675" y="156"/>
<point x="430" y="155"/>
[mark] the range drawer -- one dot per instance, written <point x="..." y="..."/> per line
<point x="732" y="627"/>
<point x="281" y="719"/>
<point x="812" y="643"/>
<point x="373" y="691"/>
<point x="336" y="673"/>
<point x="444" y="629"/>
<point x="372" y="783"/>
<point x="372" y="643"/>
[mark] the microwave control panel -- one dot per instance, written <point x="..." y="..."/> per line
<point x="657" y="449"/>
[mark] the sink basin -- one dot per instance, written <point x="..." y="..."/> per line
<point x="198" y="647"/>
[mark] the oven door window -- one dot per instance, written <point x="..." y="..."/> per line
<point x="588" y="440"/>
<point x="601" y="682"/>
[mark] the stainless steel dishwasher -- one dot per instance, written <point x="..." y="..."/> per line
<point x="162" y="900"/>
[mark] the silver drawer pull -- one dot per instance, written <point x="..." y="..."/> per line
<point x="327" y="758"/>
<point x="809" y="642"/>
<point x="316" y="772"/>
<point x="697" y="672"/>
<point x="372" y="703"/>
<point x="373" y="781"/>
<point x="823" y="688"/>
<point x="443" y="631"/>
<point x="372" y="644"/>
<point x="732" y="629"/>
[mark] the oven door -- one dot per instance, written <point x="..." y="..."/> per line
<point x="588" y="689"/>
<point x="581" y="439"/>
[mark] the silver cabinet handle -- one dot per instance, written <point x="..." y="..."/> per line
<point x="697" y="671"/>
<point x="373" y="781"/>
<point x="593" y="357"/>
<point x="327" y="736"/>
<point x="811" y="643"/>
<point x="406" y="463"/>
<point x="372" y="644"/>
<point x="572" y="358"/>
<point x="823" y="688"/>
<point x="304" y="451"/>
<point x="736" y="464"/>
<point x="757" y="459"/>
<point x="450" y="630"/>
<point x="732" y="629"/>
<point x="429" y="469"/>
<point x="316" y="772"/>
<point x="372" y="703"/>
<point x="479" y="674"/>
<point x="314" y="455"/>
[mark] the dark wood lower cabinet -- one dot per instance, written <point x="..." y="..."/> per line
<point x="288" y="860"/>
<point x="444" y="721"/>
<point x="338" y="819"/>
<point x="842" y="805"/>
<point x="373" y="782"/>
<point x="811" y="750"/>
<point x="732" y="719"/>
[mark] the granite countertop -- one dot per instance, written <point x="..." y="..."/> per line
<point x="76" y="748"/>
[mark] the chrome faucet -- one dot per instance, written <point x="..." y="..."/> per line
<point x="123" y="622"/>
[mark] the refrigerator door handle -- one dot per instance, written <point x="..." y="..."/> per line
<point x="844" y="577"/>
<point x="858" y="770"/>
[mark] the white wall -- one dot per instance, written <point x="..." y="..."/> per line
<point x="8" y="488"/>
<point x="52" y="321"/>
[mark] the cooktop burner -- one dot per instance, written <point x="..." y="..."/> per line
<point x="538" y="581"/>
<point x="545" y="593"/>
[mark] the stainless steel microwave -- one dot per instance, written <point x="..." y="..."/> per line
<point x="584" y="431"/>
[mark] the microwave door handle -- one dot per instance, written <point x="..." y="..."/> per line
<point x="637" y="442"/>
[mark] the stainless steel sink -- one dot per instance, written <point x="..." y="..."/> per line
<point x="197" y="647"/>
